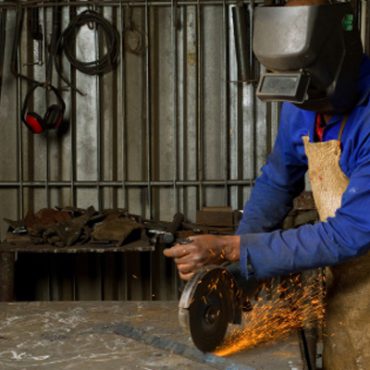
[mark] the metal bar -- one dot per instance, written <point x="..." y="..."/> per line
<point x="143" y="3"/>
<point x="141" y="335"/>
<point x="175" y="105"/>
<point x="73" y="130"/>
<point x="224" y="47"/>
<point x="149" y="155"/>
<point x="200" y="146"/>
<point x="367" y="34"/>
<point x="48" y="74"/>
<point x="98" y="86"/>
<point x="184" y="100"/>
<point x="175" y="98"/>
<point x="148" y="112"/>
<point x="20" y="168"/>
<point x="123" y="113"/>
<point x="89" y="184"/>
<point x="48" y="78"/>
<point x="253" y="95"/>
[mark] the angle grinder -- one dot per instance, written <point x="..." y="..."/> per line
<point x="211" y="300"/>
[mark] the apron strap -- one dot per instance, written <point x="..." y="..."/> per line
<point x="343" y="123"/>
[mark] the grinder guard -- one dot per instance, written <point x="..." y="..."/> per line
<point x="211" y="300"/>
<point x="318" y="45"/>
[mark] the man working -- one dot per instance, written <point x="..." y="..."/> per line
<point x="327" y="132"/>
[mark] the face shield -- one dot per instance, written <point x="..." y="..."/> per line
<point x="312" y="56"/>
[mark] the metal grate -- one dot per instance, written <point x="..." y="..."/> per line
<point x="171" y="129"/>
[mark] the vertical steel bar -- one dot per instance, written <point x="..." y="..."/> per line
<point x="175" y="105"/>
<point x="200" y="146"/>
<point x="149" y="212"/>
<point x="8" y="280"/>
<point x="367" y="33"/>
<point x="224" y="43"/>
<point x="175" y="98"/>
<point x="363" y="22"/>
<point x="99" y="177"/>
<point x="72" y="131"/>
<point x="48" y="79"/>
<point x="20" y="144"/>
<point x="47" y="75"/>
<point x="72" y="143"/>
<point x="123" y="111"/>
<point x="98" y="117"/>
<point x="123" y="121"/>
<point x="253" y="96"/>
<point x="148" y="132"/>
<point x="184" y="100"/>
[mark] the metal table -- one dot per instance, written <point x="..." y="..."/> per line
<point x="118" y="335"/>
<point x="9" y="249"/>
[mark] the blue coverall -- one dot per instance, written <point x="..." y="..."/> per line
<point x="272" y="251"/>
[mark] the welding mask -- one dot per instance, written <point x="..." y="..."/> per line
<point x="312" y="56"/>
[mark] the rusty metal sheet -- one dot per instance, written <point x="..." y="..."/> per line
<point x="216" y="216"/>
<point x="137" y="246"/>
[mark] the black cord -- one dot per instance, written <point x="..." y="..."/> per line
<point x="16" y="43"/>
<point x="67" y="42"/>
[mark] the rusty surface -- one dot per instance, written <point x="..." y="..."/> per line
<point x="124" y="335"/>
<point x="24" y="246"/>
<point x="218" y="217"/>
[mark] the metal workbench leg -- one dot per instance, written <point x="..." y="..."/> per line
<point x="7" y="262"/>
<point x="308" y="344"/>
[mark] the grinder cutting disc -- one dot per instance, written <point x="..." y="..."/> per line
<point x="208" y="303"/>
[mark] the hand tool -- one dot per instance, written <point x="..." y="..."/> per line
<point x="209" y="302"/>
<point x="167" y="235"/>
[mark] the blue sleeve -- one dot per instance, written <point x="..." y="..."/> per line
<point x="282" y="179"/>
<point x="341" y="237"/>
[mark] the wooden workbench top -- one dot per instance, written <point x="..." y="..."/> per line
<point x="117" y="335"/>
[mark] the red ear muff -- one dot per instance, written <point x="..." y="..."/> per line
<point x="34" y="122"/>
<point x="53" y="116"/>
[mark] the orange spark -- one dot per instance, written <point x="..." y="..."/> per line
<point x="288" y="306"/>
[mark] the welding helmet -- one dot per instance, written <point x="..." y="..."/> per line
<point x="311" y="53"/>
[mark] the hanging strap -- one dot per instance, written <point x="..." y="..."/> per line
<point x="343" y="123"/>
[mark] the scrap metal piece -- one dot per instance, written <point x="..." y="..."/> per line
<point x="209" y="302"/>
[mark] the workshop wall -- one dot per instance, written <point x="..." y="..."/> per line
<point x="169" y="129"/>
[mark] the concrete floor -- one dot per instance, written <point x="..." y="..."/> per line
<point x="118" y="335"/>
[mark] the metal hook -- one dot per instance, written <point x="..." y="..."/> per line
<point x="91" y="25"/>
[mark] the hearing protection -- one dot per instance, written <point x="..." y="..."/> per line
<point x="53" y="117"/>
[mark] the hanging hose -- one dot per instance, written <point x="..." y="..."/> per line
<point x="67" y="42"/>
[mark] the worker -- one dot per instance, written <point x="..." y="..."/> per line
<point x="328" y="135"/>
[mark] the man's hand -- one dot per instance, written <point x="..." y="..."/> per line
<point x="203" y="250"/>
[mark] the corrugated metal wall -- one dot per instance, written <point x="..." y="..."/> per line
<point x="170" y="129"/>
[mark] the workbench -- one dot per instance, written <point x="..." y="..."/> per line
<point x="118" y="335"/>
<point x="8" y="250"/>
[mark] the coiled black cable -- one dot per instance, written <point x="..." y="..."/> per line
<point x="67" y="44"/>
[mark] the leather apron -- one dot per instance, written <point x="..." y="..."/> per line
<point x="347" y="329"/>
